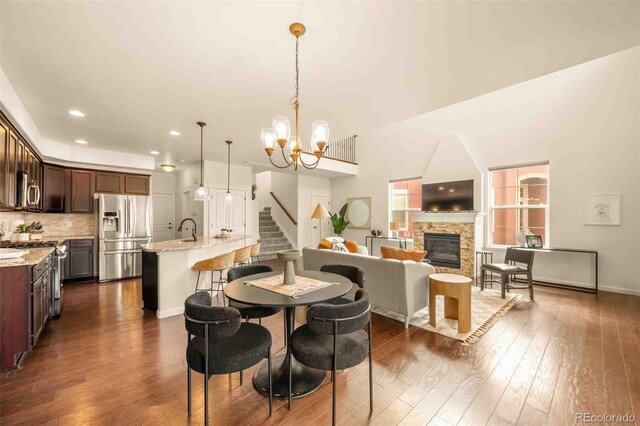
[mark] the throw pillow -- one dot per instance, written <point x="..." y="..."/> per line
<point x="352" y="246"/>
<point x="340" y="247"/>
<point x="334" y="240"/>
<point x="325" y="245"/>
<point x="402" y="254"/>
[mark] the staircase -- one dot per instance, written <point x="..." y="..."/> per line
<point x="272" y="239"/>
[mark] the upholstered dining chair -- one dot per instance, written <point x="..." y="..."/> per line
<point x="251" y="311"/>
<point x="353" y="273"/>
<point x="516" y="262"/>
<point x="218" y="342"/>
<point x="333" y="339"/>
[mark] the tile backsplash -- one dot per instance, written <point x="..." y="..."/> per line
<point x="55" y="224"/>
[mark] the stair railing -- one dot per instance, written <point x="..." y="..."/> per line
<point x="342" y="150"/>
<point x="295" y="222"/>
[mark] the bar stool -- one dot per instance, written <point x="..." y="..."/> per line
<point x="242" y="256"/>
<point x="215" y="264"/>
<point x="255" y="252"/>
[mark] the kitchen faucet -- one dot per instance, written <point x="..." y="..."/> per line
<point x="194" y="231"/>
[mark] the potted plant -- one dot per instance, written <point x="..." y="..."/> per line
<point x="24" y="231"/>
<point x="339" y="222"/>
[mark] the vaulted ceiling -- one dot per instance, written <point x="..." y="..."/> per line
<point x="140" y="69"/>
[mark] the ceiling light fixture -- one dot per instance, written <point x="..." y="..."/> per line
<point x="201" y="193"/>
<point x="76" y="113"/>
<point x="280" y="132"/>
<point x="154" y="152"/>
<point x="81" y="142"/>
<point x="228" y="198"/>
<point x="174" y="133"/>
<point x="168" y="167"/>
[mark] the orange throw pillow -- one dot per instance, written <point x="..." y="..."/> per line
<point x="352" y="246"/>
<point x="402" y="254"/>
<point x="325" y="245"/>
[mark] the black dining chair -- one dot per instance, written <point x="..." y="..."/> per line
<point x="516" y="262"/>
<point x="333" y="339"/>
<point x="353" y="273"/>
<point x="218" y="342"/>
<point x="249" y="312"/>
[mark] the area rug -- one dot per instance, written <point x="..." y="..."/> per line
<point x="486" y="308"/>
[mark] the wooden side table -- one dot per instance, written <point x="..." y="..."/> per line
<point x="456" y="290"/>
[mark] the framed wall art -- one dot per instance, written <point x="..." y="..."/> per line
<point x="602" y="209"/>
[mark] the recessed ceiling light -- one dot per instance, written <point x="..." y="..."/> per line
<point x="154" y="152"/>
<point x="441" y="188"/>
<point x="81" y="142"/>
<point x="452" y="190"/>
<point x="76" y="113"/>
<point x="168" y="167"/>
<point x="174" y="133"/>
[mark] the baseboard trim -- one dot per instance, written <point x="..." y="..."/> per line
<point x="621" y="290"/>
<point x="169" y="312"/>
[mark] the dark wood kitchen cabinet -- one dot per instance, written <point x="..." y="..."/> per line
<point x="4" y="164"/>
<point x="54" y="188"/>
<point x="82" y="188"/>
<point x="136" y="184"/>
<point x="15" y="314"/>
<point x="78" y="265"/>
<point x="109" y="182"/>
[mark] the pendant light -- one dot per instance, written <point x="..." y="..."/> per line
<point x="228" y="198"/>
<point x="201" y="193"/>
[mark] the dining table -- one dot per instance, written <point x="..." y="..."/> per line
<point x="304" y="380"/>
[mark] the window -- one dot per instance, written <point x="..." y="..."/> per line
<point x="405" y="200"/>
<point x="519" y="200"/>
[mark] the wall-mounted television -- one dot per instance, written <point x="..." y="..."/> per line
<point x="448" y="196"/>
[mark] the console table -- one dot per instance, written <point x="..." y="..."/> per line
<point x="368" y="242"/>
<point x="566" y="250"/>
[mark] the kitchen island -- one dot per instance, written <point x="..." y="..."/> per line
<point x="167" y="278"/>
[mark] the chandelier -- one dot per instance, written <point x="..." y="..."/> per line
<point x="280" y="132"/>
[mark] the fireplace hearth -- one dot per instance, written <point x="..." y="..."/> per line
<point x="443" y="249"/>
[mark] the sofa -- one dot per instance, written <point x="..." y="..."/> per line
<point x="398" y="286"/>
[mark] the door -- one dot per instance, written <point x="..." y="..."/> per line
<point x="112" y="217"/>
<point x="163" y="216"/>
<point x="81" y="262"/>
<point x="53" y="189"/>
<point x="140" y="215"/>
<point x="321" y="228"/>
<point x="82" y="184"/>
<point x="227" y="216"/>
<point x="194" y="210"/>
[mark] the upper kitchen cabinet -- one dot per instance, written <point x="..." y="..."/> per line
<point x="110" y="182"/>
<point x="136" y="184"/>
<point x="54" y="188"/>
<point x="4" y="164"/>
<point x="82" y="188"/>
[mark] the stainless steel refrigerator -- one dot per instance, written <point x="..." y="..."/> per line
<point x="124" y="222"/>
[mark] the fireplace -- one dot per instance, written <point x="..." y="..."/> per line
<point x="443" y="249"/>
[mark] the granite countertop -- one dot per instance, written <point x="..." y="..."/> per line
<point x="32" y="257"/>
<point x="61" y="238"/>
<point x="188" y="244"/>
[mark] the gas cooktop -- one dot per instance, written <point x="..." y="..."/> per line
<point x="28" y="244"/>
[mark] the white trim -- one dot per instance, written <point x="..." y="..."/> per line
<point x="285" y="233"/>
<point x="620" y="290"/>
<point x="169" y="312"/>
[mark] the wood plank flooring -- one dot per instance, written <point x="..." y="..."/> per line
<point x="106" y="361"/>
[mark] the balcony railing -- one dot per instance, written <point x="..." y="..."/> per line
<point x="342" y="150"/>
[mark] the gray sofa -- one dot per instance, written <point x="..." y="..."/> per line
<point x="399" y="286"/>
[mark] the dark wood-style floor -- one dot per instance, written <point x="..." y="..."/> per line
<point x="105" y="361"/>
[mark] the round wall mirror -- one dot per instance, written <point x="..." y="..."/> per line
<point x="358" y="213"/>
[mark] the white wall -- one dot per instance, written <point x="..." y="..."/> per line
<point x="585" y="120"/>
<point x="308" y="187"/>
<point x="163" y="182"/>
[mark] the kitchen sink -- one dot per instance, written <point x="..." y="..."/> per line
<point x="9" y="253"/>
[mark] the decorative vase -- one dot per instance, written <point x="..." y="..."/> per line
<point x="289" y="256"/>
<point x="23" y="236"/>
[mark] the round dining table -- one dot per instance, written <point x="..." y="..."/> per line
<point x="304" y="380"/>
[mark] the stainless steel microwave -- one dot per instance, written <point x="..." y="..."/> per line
<point x="27" y="193"/>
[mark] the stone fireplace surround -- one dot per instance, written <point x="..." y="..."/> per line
<point x="468" y="225"/>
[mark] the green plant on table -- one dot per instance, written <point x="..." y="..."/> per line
<point x="339" y="222"/>
<point x="23" y="228"/>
